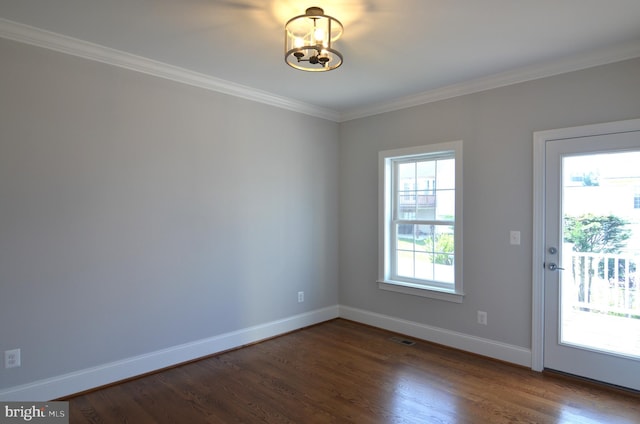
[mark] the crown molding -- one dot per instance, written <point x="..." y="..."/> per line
<point x="569" y="64"/>
<point x="50" y="40"/>
<point x="41" y="38"/>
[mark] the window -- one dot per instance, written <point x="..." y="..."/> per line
<point x="420" y="213"/>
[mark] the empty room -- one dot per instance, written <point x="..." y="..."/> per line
<point x="365" y="211"/>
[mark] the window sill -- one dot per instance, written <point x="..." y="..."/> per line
<point x="415" y="290"/>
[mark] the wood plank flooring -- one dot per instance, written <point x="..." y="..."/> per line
<point x="344" y="372"/>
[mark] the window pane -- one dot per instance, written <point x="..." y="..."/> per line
<point x="424" y="238"/>
<point x="425" y="205"/>
<point x="424" y="266"/>
<point x="411" y="237"/>
<point x="446" y="175"/>
<point x="429" y="239"/>
<point x="444" y="254"/>
<point x="404" y="239"/>
<point x="405" y="199"/>
<point x="444" y="273"/>
<point x="404" y="263"/>
<point x="406" y="207"/>
<point x="425" y="252"/>
<point x="445" y="204"/>
<point x="426" y="175"/>
<point x="407" y="173"/>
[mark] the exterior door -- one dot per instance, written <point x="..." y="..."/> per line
<point x="592" y="256"/>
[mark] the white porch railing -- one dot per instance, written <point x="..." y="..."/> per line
<point x="603" y="282"/>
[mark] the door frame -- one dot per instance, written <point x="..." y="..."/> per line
<point x="540" y="138"/>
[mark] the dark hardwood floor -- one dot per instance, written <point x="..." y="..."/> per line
<point x="344" y="372"/>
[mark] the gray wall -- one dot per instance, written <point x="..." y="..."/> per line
<point x="138" y="214"/>
<point x="497" y="128"/>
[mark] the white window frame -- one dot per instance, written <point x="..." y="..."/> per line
<point x="386" y="160"/>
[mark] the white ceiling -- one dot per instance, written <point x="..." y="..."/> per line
<point x="395" y="51"/>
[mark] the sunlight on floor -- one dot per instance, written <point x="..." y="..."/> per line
<point x="411" y="395"/>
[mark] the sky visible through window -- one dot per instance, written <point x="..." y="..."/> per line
<point x="604" y="184"/>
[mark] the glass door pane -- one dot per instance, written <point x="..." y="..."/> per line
<point x="600" y="295"/>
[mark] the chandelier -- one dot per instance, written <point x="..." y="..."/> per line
<point x="309" y="41"/>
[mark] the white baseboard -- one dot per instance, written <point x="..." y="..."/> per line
<point x="86" y="379"/>
<point x="485" y="347"/>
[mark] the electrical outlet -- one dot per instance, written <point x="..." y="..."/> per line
<point x="482" y="317"/>
<point x="12" y="358"/>
<point x="300" y="296"/>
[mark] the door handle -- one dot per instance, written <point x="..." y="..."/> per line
<point x="553" y="267"/>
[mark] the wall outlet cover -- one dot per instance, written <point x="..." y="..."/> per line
<point x="12" y="358"/>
